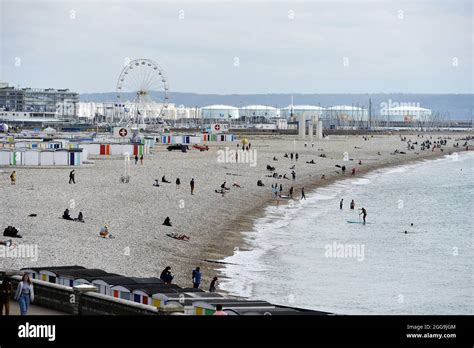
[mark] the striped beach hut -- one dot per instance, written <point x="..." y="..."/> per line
<point x="46" y="274"/>
<point x="105" y="283"/>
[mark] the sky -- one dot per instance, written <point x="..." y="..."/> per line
<point x="242" y="47"/>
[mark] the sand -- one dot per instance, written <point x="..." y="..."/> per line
<point x="134" y="212"/>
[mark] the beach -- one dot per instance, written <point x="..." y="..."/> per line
<point x="134" y="212"/>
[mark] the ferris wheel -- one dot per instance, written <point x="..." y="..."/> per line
<point x="142" y="92"/>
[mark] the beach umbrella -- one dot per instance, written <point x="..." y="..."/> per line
<point x="245" y="141"/>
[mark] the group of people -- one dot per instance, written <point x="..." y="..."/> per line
<point x="67" y="216"/>
<point x="363" y="211"/>
<point x="24" y="295"/>
<point x="167" y="277"/>
<point x="178" y="183"/>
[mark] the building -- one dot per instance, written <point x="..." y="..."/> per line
<point x="221" y="112"/>
<point x="406" y="114"/>
<point x="295" y="111"/>
<point x="259" y="111"/>
<point x="62" y="102"/>
<point x="341" y="116"/>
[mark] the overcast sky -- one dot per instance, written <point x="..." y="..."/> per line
<point x="416" y="46"/>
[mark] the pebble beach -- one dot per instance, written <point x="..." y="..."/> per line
<point x="134" y="211"/>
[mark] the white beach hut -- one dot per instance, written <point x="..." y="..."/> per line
<point x="5" y="157"/>
<point x="47" y="157"/>
<point x="61" y="157"/>
<point x="31" y="157"/>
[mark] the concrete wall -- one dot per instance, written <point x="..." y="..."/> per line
<point x="70" y="300"/>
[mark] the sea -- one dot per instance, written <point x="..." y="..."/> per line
<point x="413" y="256"/>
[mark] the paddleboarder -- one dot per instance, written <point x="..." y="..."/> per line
<point x="363" y="212"/>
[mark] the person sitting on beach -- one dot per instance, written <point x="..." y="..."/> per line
<point x="353" y="172"/>
<point x="178" y="236"/>
<point x="293" y="167"/>
<point x="80" y="217"/>
<point x="104" y="232"/>
<point x="286" y="155"/>
<point x="166" y="275"/>
<point x="157" y="183"/>
<point x="343" y="169"/>
<point x="236" y="185"/>
<point x="163" y="179"/>
<point x="260" y="183"/>
<point x="223" y="186"/>
<point x="66" y="215"/>
<point x="178" y="183"/>
<point x="322" y="155"/>
<point x="323" y="177"/>
<point x="285" y="177"/>
<point x="167" y="222"/>
<point x="274" y="158"/>
<point x="310" y="162"/>
<point x="360" y="162"/>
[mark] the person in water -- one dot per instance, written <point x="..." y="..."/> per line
<point x="353" y="204"/>
<point x="302" y="194"/>
<point x="363" y="212"/>
<point x="167" y="221"/>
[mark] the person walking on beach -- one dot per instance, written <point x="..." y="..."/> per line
<point x="290" y="192"/>
<point x="302" y="193"/>
<point x="213" y="286"/>
<point x="13" y="178"/>
<point x="363" y="212"/>
<point x="24" y="294"/>
<point x="196" y="277"/>
<point x="5" y="295"/>
<point x="141" y="159"/>
<point x="136" y="159"/>
<point x="192" y="186"/>
<point x="178" y="183"/>
<point x="281" y="189"/>
<point x="353" y="172"/>
<point x="293" y="174"/>
<point x="291" y="156"/>
<point x="296" y="157"/>
<point x="353" y="205"/>
<point x="72" y="176"/>
<point x="340" y="203"/>
<point x="166" y="275"/>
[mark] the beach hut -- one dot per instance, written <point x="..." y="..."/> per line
<point x="75" y="157"/>
<point x="46" y="273"/>
<point x="16" y="157"/>
<point x="105" y="283"/>
<point x="194" y="139"/>
<point x="5" y="157"/>
<point x="47" y="157"/>
<point x="61" y="157"/>
<point x="125" y="291"/>
<point x="208" y="306"/>
<point x="104" y="149"/>
<point x="31" y="157"/>
<point x="150" y="295"/>
<point x="68" y="277"/>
